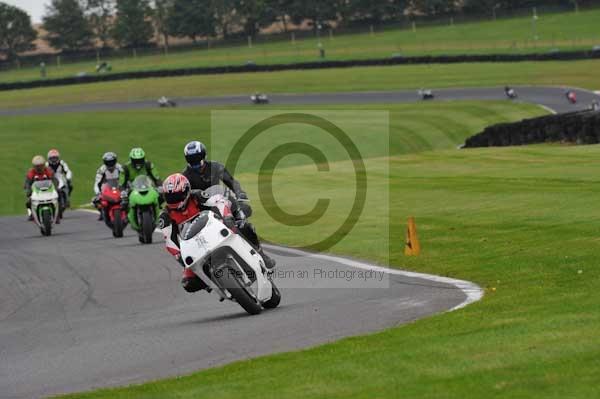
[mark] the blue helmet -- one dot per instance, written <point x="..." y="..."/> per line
<point x="195" y="153"/>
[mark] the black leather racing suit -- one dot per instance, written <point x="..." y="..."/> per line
<point x="212" y="173"/>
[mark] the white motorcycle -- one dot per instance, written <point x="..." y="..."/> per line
<point x="259" y="98"/>
<point x="212" y="248"/>
<point x="44" y="205"/>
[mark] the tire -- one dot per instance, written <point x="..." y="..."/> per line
<point x="237" y="291"/>
<point x="275" y="298"/>
<point x="118" y="224"/>
<point x="46" y="220"/>
<point x="62" y="204"/>
<point x="147" y="227"/>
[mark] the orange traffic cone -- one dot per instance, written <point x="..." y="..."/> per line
<point x="412" y="248"/>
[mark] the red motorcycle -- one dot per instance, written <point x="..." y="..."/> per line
<point x="572" y="97"/>
<point x="111" y="206"/>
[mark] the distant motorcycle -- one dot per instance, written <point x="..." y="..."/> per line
<point x="44" y="205"/>
<point x="165" y="102"/>
<point x="113" y="212"/>
<point x="426" y="94"/>
<point x="259" y="98"/>
<point x="510" y="93"/>
<point x="571" y="96"/>
<point x="143" y="208"/>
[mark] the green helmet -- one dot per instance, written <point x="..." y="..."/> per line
<point x="137" y="157"/>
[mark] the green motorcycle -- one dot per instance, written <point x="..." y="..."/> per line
<point x="143" y="208"/>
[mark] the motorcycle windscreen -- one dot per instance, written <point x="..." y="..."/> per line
<point x="43" y="185"/>
<point x="215" y="190"/>
<point x="112" y="183"/>
<point x="142" y="183"/>
<point x="191" y="229"/>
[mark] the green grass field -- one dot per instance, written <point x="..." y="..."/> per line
<point x="521" y="222"/>
<point x="567" y="31"/>
<point x="579" y="74"/>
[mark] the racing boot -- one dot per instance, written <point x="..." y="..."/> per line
<point x="192" y="283"/>
<point x="270" y="263"/>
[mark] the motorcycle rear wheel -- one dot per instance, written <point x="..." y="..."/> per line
<point x="275" y="298"/>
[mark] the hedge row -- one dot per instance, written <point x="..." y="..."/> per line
<point x="398" y="60"/>
<point x="581" y="127"/>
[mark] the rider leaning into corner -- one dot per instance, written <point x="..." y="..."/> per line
<point x="184" y="202"/>
<point x="39" y="171"/>
<point x="109" y="171"/>
<point x="60" y="168"/>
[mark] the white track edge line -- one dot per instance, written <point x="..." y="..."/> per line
<point x="472" y="291"/>
<point x="553" y="112"/>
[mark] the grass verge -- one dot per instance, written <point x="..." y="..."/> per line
<point x="565" y="31"/>
<point x="521" y="222"/>
<point x="518" y="221"/>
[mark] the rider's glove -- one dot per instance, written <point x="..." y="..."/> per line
<point x="163" y="220"/>
<point x="243" y="196"/>
<point x="240" y="219"/>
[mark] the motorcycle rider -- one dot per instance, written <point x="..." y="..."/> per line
<point x="110" y="170"/>
<point x="60" y="167"/>
<point x="202" y="174"/>
<point x="139" y="166"/>
<point x="183" y="204"/>
<point x="39" y="171"/>
<point x="510" y="92"/>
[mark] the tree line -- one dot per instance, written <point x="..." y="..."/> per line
<point x="75" y="25"/>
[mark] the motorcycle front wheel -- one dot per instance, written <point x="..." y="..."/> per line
<point x="147" y="227"/>
<point x="227" y="278"/>
<point x="118" y="224"/>
<point x="46" y="220"/>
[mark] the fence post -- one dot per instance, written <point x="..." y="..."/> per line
<point x="249" y="41"/>
<point x="414" y="26"/>
<point x="293" y="38"/>
<point x="330" y="33"/>
<point x="58" y="61"/>
<point x="372" y="30"/>
<point x="134" y="53"/>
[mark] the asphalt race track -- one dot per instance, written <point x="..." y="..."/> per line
<point x="81" y="310"/>
<point x="550" y="97"/>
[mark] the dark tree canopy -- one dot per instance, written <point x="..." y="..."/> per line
<point x="67" y="27"/>
<point x="133" y="26"/>
<point x="16" y="33"/>
<point x="100" y="14"/>
<point x="192" y="18"/>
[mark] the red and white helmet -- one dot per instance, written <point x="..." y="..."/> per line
<point x="176" y="189"/>
<point x="53" y="157"/>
